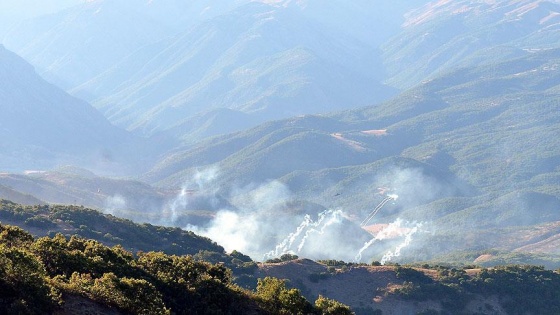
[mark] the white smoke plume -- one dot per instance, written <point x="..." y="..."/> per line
<point x="311" y="228"/>
<point x="115" y="205"/>
<point x="202" y="182"/>
<point x="376" y="209"/>
<point x="319" y="228"/>
<point x="395" y="230"/>
<point x="390" y="230"/>
<point x="251" y="221"/>
<point x="397" y="252"/>
<point x="285" y="246"/>
<point x="258" y="218"/>
<point x="264" y="221"/>
<point x="232" y="231"/>
<point x="413" y="186"/>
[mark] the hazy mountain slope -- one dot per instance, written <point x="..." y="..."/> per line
<point x="165" y="66"/>
<point x="12" y="13"/>
<point x="42" y="126"/>
<point x="18" y="197"/>
<point x="444" y="35"/>
<point x="218" y="148"/>
<point x="271" y="62"/>
<point x="64" y="186"/>
<point x="124" y="198"/>
<point x="473" y="150"/>
<point x="95" y="35"/>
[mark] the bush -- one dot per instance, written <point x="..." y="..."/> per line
<point x="40" y="222"/>
<point x="23" y="285"/>
<point x="327" y="306"/>
<point x="277" y="299"/>
<point x="129" y="295"/>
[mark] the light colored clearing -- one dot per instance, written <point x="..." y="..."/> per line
<point x="375" y="132"/>
<point x="383" y="190"/>
<point x="473" y="272"/>
<point x="483" y="258"/>
<point x="33" y="172"/>
<point x="524" y="9"/>
<point x="551" y="16"/>
<point x="427" y="13"/>
<point x="376" y="228"/>
<point x="355" y="145"/>
<point x="378" y="299"/>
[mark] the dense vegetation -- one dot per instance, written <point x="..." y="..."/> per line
<point x="70" y="220"/>
<point x="37" y="275"/>
<point x="48" y="220"/>
<point x="521" y="289"/>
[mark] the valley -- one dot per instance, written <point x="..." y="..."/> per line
<point x="410" y="133"/>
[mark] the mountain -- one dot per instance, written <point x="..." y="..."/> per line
<point x="474" y="150"/>
<point x="12" y="13"/>
<point x="76" y="38"/>
<point x="452" y="167"/>
<point x="88" y="223"/>
<point x="91" y="277"/>
<point x="445" y="35"/>
<point x="418" y="289"/>
<point x="42" y="126"/>
<point x="259" y="60"/>
<point x="269" y="62"/>
<point x="125" y="198"/>
<point x="16" y="196"/>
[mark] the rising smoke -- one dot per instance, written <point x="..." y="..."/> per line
<point x="396" y="230"/>
<point x="203" y="184"/>
<point x="397" y="252"/>
<point x="307" y="228"/>
<point x="115" y="205"/>
<point x="265" y="221"/>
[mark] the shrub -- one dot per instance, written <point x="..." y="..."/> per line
<point x="23" y="285"/>
<point x="327" y="306"/>
<point x="277" y="299"/>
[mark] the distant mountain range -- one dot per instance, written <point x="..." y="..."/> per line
<point x="169" y="66"/>
<point x="466" y="139"/>
<point x="41" y="125"/>
<point x="444" y="35"/>
<point x="475" y="149"/>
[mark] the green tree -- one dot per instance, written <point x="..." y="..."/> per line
<point x="332" y="307"/>
<point x="277" y="299"/>
<point x="131" y="295"/>
<point x="13" y="236"/>
<point x="23" y="285"/>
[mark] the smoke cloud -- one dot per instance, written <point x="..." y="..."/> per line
<point x="397" y="252"/>
<point x="266" y="221"/>
<point x="115" y="205"/>
<point x="201" y="186"/>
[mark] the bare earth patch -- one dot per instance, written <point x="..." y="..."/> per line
<point x="375" y="132"/>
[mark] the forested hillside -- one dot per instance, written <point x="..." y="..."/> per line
<point x="64" y="275"/>
<point x="57" y="275"/>
<point x="42" y="126"/>
<point x="103" y="264"/>
<point x="400" y="157"/>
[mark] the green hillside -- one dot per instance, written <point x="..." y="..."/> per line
<point x="45" y="220"/>
<point x="69" y="275"/>
<point x="436" y="39"/>
<point x="471" y="150"/>
<point x="57" y="275"/>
